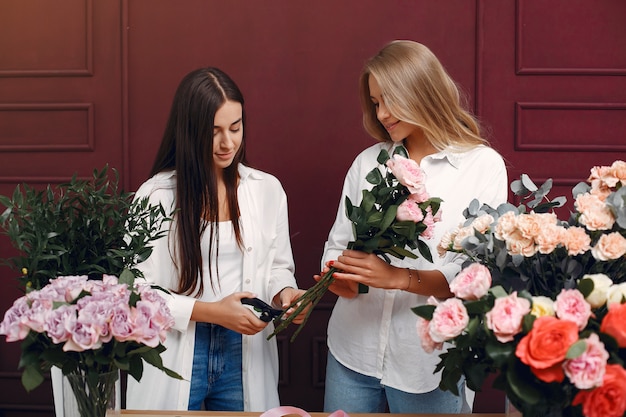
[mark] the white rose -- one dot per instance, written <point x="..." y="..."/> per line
<point x="601" y="284"/>
<point x="616" y="293"/>
<point x="542" y="306"/>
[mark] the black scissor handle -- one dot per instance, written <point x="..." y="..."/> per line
<point x="268" y="313"/>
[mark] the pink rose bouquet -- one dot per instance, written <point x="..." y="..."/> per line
<point x="559" y="359"/>
<point x="86" y="326"/>
<point x="550" y="319"/>
<point x="392" y="218"/>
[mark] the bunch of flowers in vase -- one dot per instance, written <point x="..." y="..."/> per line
<point x="540" y="302"/>
<point x="395" y="214"/>
<point x="90" y="329"/>
<point x="95" y="233"/>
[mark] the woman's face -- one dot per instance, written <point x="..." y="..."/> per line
<point x="397" y="129"/>
<point x="227" y="134"/>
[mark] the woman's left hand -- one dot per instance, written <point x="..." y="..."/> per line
<point x="368" y="269"/>
<point x="288" y="296"/>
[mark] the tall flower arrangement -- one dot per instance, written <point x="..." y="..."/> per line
<point x="540" y="302"/>
<point x="391" y="219"/>
<point x="78" y="246"/>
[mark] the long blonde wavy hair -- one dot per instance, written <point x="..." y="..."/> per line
<point x="418" y="90"/>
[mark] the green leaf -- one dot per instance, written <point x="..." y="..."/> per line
<point x="576" y="349"/>
<point x="383" y="157"/>
<point x="31" y="377"/>
<point x="425" y="311"/>
<point x="374" y="177"/>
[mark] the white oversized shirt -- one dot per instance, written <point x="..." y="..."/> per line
<point x="268" y="267"/>
<point x="375" y="333"/>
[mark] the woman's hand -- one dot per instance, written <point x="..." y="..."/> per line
<point x="366" y="268"/>
<point x="229" y="313"/>
<point x="287" y="297"/>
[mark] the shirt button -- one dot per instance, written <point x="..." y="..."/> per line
<point x="249" y="249"/>
<point x="247" y="281"/>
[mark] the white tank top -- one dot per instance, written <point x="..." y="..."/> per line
<point x="228" y="262"/>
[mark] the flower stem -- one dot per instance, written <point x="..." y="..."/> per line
<point x="311" y="296"/>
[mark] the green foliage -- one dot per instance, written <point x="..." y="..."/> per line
<point x="83" y="227"/>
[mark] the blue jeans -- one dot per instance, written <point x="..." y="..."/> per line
<point x="353" y="392"/>
<point x="216" y="383"/>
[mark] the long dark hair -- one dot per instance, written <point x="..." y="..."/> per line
<point x="187" y="147"/>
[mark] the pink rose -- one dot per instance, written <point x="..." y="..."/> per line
<point x="472" y="282"/>
<point x="587" y="370"/>
<point x="85" y="336"/>
<point x="505" y="318"/>
<point x="14" y="325"/>
<point x="423" y="331"/>
<point x="429" y="221"/>
<point x="60" y="323"/>
<point x="408" y="173"/>
<point x="571" y="305"/>
<point x="408" y="210"/>
<point x="449" y="320"/>
<point x="610" y="246"/>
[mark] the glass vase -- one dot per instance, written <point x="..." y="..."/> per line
<point x="91" y="397"/>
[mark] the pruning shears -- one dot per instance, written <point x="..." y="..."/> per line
<point x="268" y="313"/>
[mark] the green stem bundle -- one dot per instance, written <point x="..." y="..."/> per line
<point x="311" y="297"/>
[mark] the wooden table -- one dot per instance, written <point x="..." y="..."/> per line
<point x="151" y="413"/>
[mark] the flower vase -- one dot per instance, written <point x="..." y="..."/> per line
<point x="91" y="396"/>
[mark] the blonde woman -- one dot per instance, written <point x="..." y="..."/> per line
<point x="375" y="358"/>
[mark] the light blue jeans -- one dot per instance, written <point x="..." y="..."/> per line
<point x="353" y="392"/>
<point x="216" y="383"/>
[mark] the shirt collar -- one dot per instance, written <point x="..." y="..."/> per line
<point x="453" y="158"/>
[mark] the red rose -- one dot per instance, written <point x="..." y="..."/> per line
<point x="545" y="346"/>
<point x="608" y="400"/>
<point x="614" y="323"/>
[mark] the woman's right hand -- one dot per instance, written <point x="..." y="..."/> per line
<point x="230" y="313"/>
<point x="340" y="287"/>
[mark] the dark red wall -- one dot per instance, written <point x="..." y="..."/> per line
<point x="89" y="82"/>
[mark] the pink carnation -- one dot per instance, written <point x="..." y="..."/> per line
<point x="505" y="318"/>
<point x="472" y="282"/>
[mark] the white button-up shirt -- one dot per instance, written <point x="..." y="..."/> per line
<point x="268" y="267"/>
<point x="375" y="333"/>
